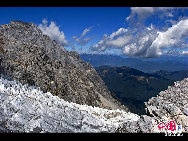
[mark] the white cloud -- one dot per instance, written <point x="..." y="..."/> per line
<point x="44" y="21"/>
<point x="119" y="42"/>
<point x="82" y="40"/>
<point x="150" y="27"/>
<point x="139" y="45"/>
<point x="170" y="15"/>
<point x="117" y="33"/>
<point x="86" y="30"/>
<point x="130" y="44"/>
<point x="141" y="12"/>
<point x="152" y="44"/>
<point x="74" y="37"/>
<point x="174" y="36"/>
<point x="116" y="40"/>
<point x="53" y="31"/>
<point x="144" y="12"/>
<point x="185" y="52"/>
<point x="147" y="42"/>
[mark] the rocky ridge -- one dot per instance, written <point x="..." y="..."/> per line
<point x="26" y="108"/>
<point x="30" y="57"/>
<point x="169" y="105"/>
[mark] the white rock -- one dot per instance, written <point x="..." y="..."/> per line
<point x="28" y="108"/>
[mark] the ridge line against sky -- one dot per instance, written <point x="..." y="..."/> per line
<point x="142" y="32"/>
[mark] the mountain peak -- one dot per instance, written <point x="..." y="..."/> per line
<point x="20" y="27"/>
<point x="31" y="57"/>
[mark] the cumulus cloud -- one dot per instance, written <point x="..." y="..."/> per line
<point x="116" y="39"/>
<point x="140" y="43"/>
<point x="152" y="45"/>
<point x="124" y="39"/>
<point x="148" y="42"/>
<point x="141" y="12"/>
<point x="174" y="37"/>
<point x="53" y="31"/>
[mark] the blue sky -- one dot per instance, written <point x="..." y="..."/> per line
<point x="72" y="20"/>
<point x="136" y="32"/>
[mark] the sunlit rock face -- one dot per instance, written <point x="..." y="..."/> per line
<point x="30" y="57"/>
<point x="26" y="108"/>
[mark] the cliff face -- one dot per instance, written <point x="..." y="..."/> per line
<point x="32" y="58"/>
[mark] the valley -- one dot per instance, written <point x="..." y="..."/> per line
<point x="134" y="87"/>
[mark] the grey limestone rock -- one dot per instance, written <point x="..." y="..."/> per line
<point x="26" y="108"/>
<point x="29" y="56"/>
<point x="171" y="104"/>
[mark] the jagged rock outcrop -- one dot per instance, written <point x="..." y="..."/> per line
<point x="28" y="109"/>
<point x="169" y="105"/>
<point x="144" y="124"/>
<point x="32" y="58"/>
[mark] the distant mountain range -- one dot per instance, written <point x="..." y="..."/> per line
<point x="176" y="75"/>
<point x="134" y="87"/>
<point x="149" y="65"/>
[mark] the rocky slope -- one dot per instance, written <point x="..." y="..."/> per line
<point x="169" y="105"/>
<point x="32" y="58"/>
<point x="28" y="109"/>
